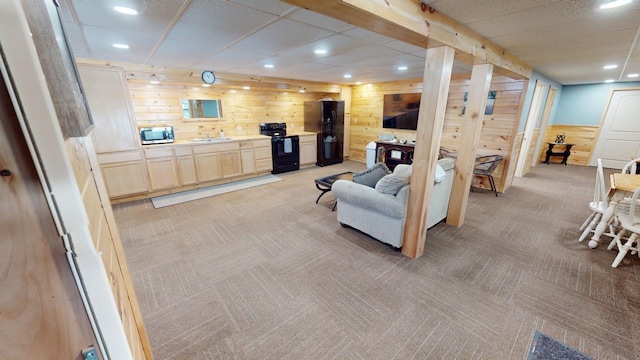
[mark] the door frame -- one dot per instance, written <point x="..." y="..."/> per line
<point x="598" y="144"/>
<point x="546" y="113"/>
<point x="534" y="111"/>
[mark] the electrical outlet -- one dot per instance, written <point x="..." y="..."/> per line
<point x="239" y="128"/>
<point x="291" y="125"/>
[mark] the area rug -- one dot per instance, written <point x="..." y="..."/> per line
<point x="544" y="347"/>
<point x="181" y="197"/>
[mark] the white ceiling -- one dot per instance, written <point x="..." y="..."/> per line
<point x="567" y="40"/>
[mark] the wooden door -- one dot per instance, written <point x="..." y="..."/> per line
<point x="207" y="167"/>
<point x="162" y="173"/>
<point x="41" y="312"/>
<point x="619" y="139"/>
<point x="524" y="157"/>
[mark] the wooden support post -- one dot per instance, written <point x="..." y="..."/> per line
<point x="433" y="103"/>
<point x="469" y="138"/>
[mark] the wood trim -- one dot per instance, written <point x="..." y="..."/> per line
<point x="433" y="104"/>
<point x="469" y="139"/>
<point x="424" y="26"/>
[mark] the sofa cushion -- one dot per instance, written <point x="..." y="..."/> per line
<point x="371" y="176"/>
<point x="392" y="183"/>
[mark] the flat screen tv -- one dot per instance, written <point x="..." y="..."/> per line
<point x="401" y="111"/>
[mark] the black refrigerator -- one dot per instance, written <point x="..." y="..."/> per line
<point x="326" y="119"/>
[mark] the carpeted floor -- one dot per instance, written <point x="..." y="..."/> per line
<point x="265" y="273"/>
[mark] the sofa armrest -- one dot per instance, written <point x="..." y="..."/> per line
<point x="368" y="198"/>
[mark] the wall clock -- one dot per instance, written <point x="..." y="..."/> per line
<point x="208" y="77"/>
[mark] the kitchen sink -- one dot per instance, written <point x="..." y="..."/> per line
<point x="211" y="139"/>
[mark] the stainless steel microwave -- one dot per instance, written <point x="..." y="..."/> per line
<point x="156" y="135"/>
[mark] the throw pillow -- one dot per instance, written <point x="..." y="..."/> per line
<point x="371" y="176"/>
<point x="440" y="173"/>
<point x="392" y="183"/>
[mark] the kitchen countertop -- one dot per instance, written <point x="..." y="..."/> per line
<point x="187" y="142"/>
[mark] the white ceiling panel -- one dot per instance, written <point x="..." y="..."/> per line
<point x="228" y="59"/>
<point x="280" y="36"/>
<point x="358" y="56"/>
<point x="319" y="20"/>
<point x="276" y="7"/>
<point x="567" y="40"/>
<point x="101" y="40"/>
<point x="218" y="23"/>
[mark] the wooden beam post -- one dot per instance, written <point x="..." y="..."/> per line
<point x="469" y="139"/>
<point x="433" y="104"/>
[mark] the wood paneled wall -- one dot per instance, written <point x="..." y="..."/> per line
<point x="498" y="130"/>
<point x="245" y="109"/>
<point x="106" y="240"/>
<point x="584" y="138"/>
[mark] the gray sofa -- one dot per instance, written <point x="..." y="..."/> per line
<point x="382" y="216"/>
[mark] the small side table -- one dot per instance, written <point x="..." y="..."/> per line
<point x="324" y="184"/>
<point x="565" y="154"/>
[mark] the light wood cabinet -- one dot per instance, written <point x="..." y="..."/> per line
<point x="262" y="153"/>
<point x="187" y="170"/>
<point x="162" y="173"/>
<point x="124" y="179"/>
<point x="207" y="167"/>
<point x="230" y="164"/>
<point x="110" y="106"/>
<point x="308" y="150"/>
<point x="248" y="161"/>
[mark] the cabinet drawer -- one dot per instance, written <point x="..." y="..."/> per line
<point x="116" y="157"/>
<point x="262" y="142"/>
<point x="246" y="145"/>
<point x="158" y="153"/>
<point x="203" y="149"/>
<point x="263" y="153"/>
<point x="183" y="150"/>
<point x="308" y="138"/>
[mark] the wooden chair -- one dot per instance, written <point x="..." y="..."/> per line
<point x="485" y="165"/>
<point x="598" y="205"/>
<point x="630" y="223"/>
<point x="632" y="167"/>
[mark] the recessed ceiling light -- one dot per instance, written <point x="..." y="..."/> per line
<point x="347" y="76"/>
<point x="206" y="85"/>
<point x="401" y="68"/>
<point x="154" y="82"/>
<point x="320" y="51"/>
<point x="615" y="4"/>
<point x="369" y="84"/>
<point x="125" y="10"/>
<point x="285" y="93"/>
<point x="121" y="46"/>
<point x="633" y="75"/>
<point x="609" y="81"/>
<point x="268" y="66"/>
<point x="301" y="91"/>
<point x="609" y="67"/>
<point x="246" y="87"/>
<point x="232" y="91"/>
<point x="358" y="82"/>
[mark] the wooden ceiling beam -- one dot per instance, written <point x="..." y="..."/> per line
<point x="421" y="25"/>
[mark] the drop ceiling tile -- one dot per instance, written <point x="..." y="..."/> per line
<point x="403" y="46"/>
<point x="276" y="7"/>
<point x="229" y="59"/>
<point x="359" y="55"/>
<point x="465" y="11"/>
<point x="335" y="45"/>
<point x="570" y="45"/>
<point x="217" y="23"/>
<point x="319" y="20"/>
<point x="155" y="18"/>
<point x="128" y="57"/>
<point x="279" y="36"/>
<point x="367" y="35"/>
<point x="101" y="40"/>
<point x="75" y="36"/>
<point x="180" y="54"/>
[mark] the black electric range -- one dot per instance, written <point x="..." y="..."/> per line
<point x="285" y="150"/>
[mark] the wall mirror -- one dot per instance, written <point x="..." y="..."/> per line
<point x="201" y="109"/>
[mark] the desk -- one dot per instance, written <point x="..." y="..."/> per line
<point x="620" y="184"/>
<point x="565" y="154"/>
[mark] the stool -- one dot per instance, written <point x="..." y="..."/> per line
<point x="565" y="154"/>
